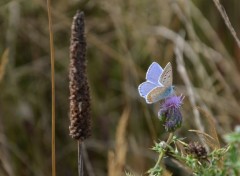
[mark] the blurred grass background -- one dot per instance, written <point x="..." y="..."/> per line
<point x="123" y="37"/>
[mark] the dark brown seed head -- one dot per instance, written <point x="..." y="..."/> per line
<point x="197" y="150"/>
<point x="80" y="122"/>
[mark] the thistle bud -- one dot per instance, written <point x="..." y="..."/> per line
<point x="197" y="150"/>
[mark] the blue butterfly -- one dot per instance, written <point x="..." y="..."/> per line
<point x="158" y="84"/>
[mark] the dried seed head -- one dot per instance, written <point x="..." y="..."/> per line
<point x="197" y="150"/>
<point x="80" y="122"/>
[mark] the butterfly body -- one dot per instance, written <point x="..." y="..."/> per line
<point x="158" y="84"/>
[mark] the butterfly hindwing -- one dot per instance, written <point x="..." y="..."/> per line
<point x="145" y="88"/>
<point x="166" y="76"/>
<point x="158" y="93"/>
<point x="153" y="73"/>
<point x="155" y="95"/>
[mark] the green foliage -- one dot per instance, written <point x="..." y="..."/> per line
<point x="233" y="137"/>
<point x="128" y="174"/>
<point x="219" y="162"/>
<point x="156" y="171"/>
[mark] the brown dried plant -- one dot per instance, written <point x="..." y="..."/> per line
<point x="117" y="159"/>
<point x="3" y="63"/>
<point x="79" y="90"/>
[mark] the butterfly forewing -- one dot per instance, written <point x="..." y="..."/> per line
<point x="153" y="73"/>
<point x="166" y="76"/>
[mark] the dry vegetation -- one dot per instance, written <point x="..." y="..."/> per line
<point x="123" y="39"/>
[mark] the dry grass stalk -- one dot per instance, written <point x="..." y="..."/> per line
<point x="117" y="159"/>
<point x="182" y="70"/>
<point x="80" y="122"/>
<point x="5" y="160"/>
<point x="52" y="59"/>
<point x="227" y="21"/>
<point x="210" y="128"/>
<point x="206" y="138"/>
<point x="3" y="63"/>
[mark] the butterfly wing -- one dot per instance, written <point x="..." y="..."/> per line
<point x="153" y="73"/>
<point x="156" y="94"/>
<point x="166" y="78"/>
<point x="145" y="88"/>
<point x="159" y="83"/>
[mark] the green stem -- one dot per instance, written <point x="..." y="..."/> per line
<point x="169" y="140"/>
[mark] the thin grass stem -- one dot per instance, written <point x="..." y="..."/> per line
<point x="53" y="86"/>
<point x="80" y="158"/>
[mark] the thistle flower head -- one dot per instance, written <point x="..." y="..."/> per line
<point x="170" y="114"/>
<point x="173" y="102"/>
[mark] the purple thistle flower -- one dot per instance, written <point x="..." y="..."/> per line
<point x="170" y="114"/>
